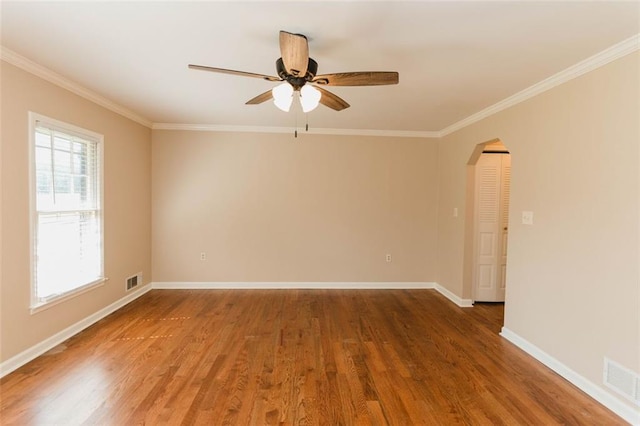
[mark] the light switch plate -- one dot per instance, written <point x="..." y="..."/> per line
<point x="527" y="218"/>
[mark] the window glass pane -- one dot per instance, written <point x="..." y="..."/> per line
<point x="62" y="186"/>
<point x="79" y="163"/>
<point x="62" y="161"/>
<point x="43" y="183"/>
<point x="43" y="159"/>
<point x="62" y="142"/>
<point x="43" y="138"/>
<point x="44" y="177"/>
<point x="80" y="148"/>
<point x="68" y="226"/>
<point x="80" y="188"/>
<point x="68" y="252"/>
<point x="44" y="194"/>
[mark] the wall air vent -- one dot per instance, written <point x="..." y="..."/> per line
<point x="133" y="281"/>
<point x="622" y="380"/>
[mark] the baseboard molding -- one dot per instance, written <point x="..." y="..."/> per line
<point x="463" y="303"/>
<point x="264" y="285"/>
<point x="596" y="392"/>
<point x="35" y="351"/>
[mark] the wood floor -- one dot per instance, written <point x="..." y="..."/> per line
<point x="329" y="357"/>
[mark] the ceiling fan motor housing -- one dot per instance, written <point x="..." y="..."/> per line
<point x="296" y="81"/>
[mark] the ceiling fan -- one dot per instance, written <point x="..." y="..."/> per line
<point x="298" y="72"/>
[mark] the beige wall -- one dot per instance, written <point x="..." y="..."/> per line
<point x="573" y="278"/>
<point x="127" y="196"/>
<point x="269" y="207"/>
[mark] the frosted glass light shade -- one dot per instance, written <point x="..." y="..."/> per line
<point x="309" y="98"/>
<point x="283" y="96"/>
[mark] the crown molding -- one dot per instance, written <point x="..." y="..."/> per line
<point x="34" y="68"/>
<point x="291" y="130"/>
<point x="598" y="60"/>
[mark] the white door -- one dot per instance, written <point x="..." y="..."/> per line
<point x="491" y="226"/>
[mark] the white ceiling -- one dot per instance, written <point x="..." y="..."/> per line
<point x="454" y="58"/>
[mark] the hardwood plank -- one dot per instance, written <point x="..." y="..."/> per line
<point x="317" y="357"/>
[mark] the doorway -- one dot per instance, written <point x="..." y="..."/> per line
<point x="487" y="221"/>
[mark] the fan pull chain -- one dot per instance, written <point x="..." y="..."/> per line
<point x="295" y="132"/>
<point x="306" y="127"/>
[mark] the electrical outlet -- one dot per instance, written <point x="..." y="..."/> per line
<point x="455" y="212"/>
<point x="203" y="256"/>
<point x="388" y="258"/>
<point x="527" y="218"/>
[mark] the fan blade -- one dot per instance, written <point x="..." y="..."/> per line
<point x="332" y="101"/>
<point x="260" y="98"/>
<point x="364" y="78"/>
<point x="233" y="72"/>
<point x="294" y="50"/>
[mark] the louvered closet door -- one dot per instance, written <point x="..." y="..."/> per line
<point x="505" y="182"/>
<point x="491" y="225"/>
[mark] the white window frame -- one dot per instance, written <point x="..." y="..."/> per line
<point x="35" y="119"/>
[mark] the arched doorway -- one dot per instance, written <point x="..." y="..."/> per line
<point x="486" y="222"/>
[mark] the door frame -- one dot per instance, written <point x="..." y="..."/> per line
<point x="469" y="220"/>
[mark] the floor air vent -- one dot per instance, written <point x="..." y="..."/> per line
<point x="622" y="380"/>
<point x="133" y="281"/>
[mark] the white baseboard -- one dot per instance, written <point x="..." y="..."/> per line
<point x="596" y="392"/>
<point x="181" y="285"/>
<point x="463" y="303"/>
<point x="35" y="351"/>
<point x="166" y="285"/>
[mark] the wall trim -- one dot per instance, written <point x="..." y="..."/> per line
<point x="38" y="70"/>
<point x="275" y="285"/>
<point x="271" y="285"/>
<point x="463" y="303"/>
<point x="595" y="391"/>
<point x="291" y="130"/>
<point x="598" y="60"/>
<point x="38" y="349"/>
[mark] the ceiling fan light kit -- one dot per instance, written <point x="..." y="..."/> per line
<point x="309" y="98"/>
<point x="282" y="96"/>
<point x="298" y="71"/>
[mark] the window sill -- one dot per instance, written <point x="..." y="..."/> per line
<point x="41" y="306"/>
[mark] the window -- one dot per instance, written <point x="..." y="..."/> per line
<point x="66" y="187"/>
